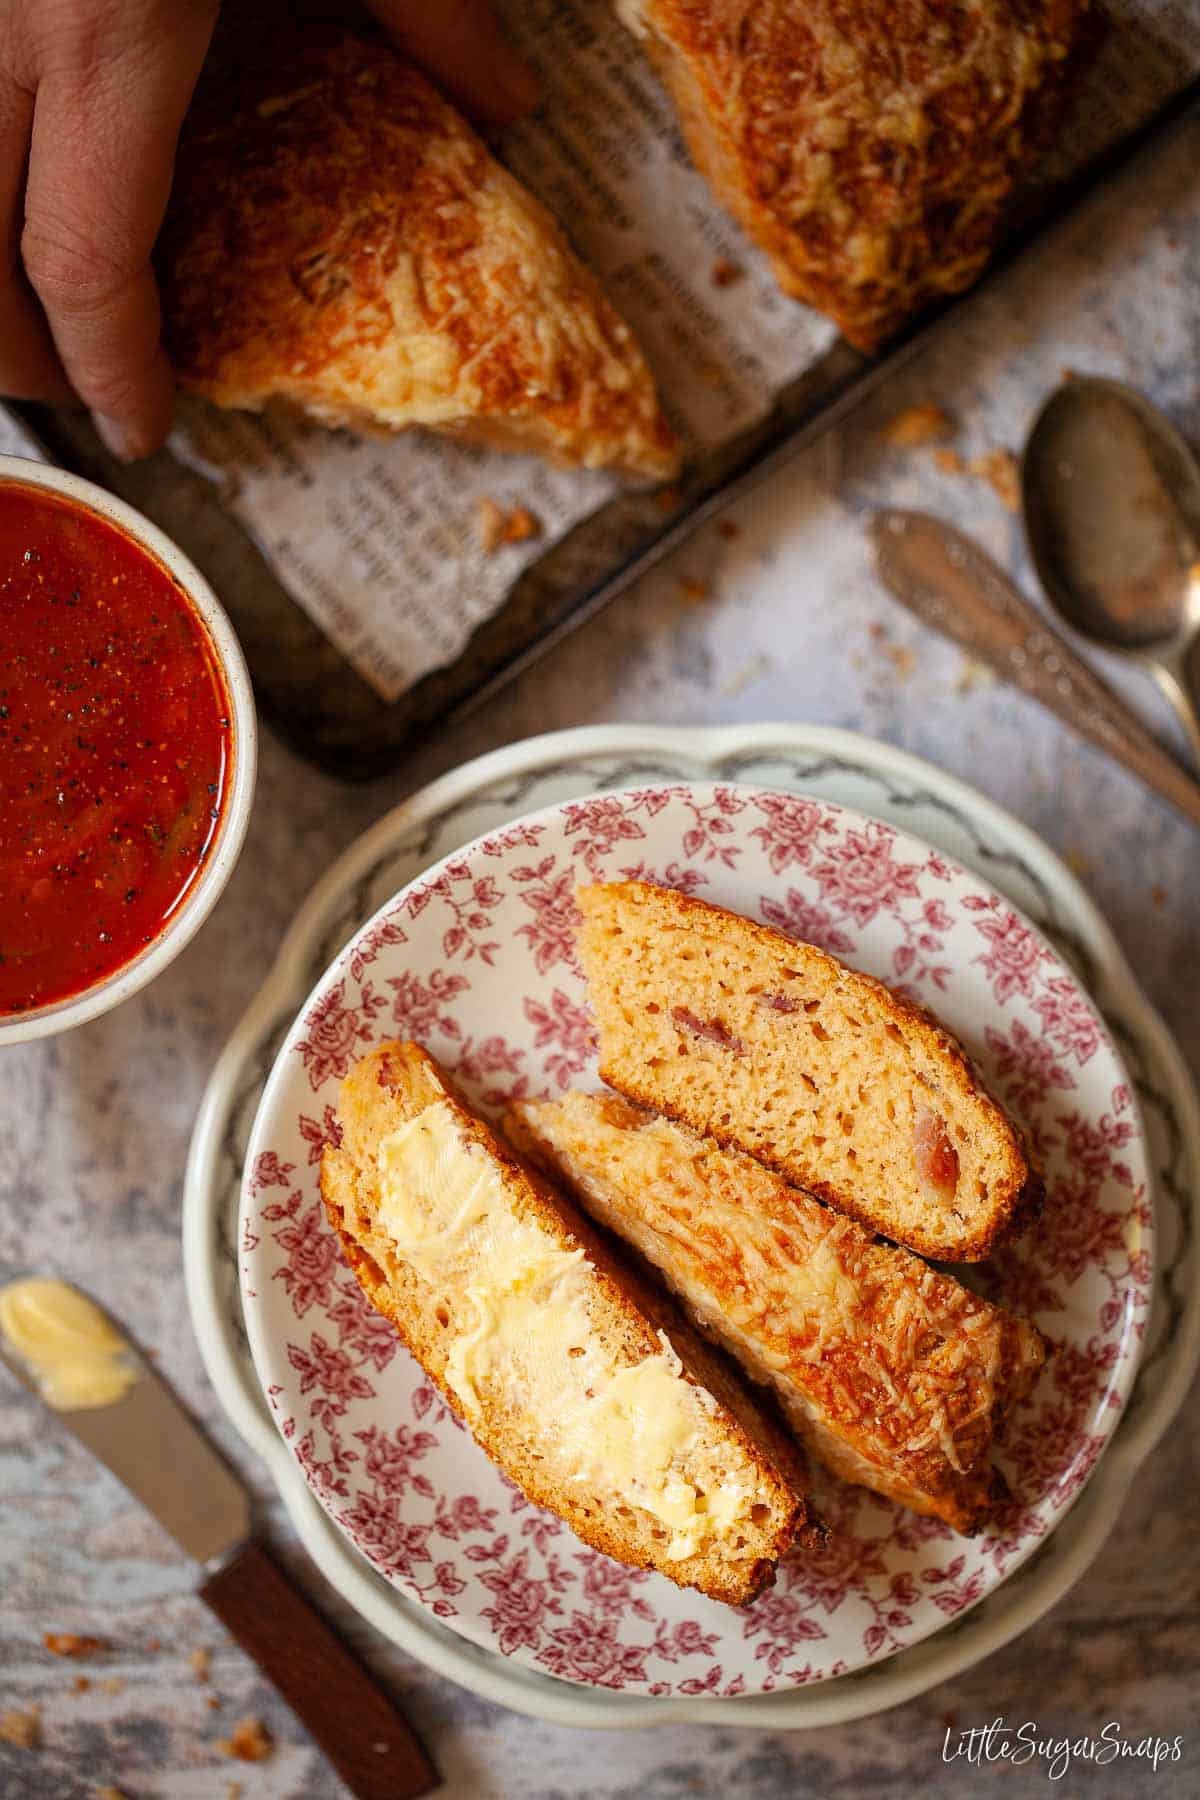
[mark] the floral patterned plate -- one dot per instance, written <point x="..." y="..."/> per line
<point x="476" y="959"/>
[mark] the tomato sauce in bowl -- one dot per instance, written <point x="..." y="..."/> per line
<point x="115" y="747"/>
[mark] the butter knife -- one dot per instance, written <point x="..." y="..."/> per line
<point x="151" y="1445"/>
<point x="951" y="584"/>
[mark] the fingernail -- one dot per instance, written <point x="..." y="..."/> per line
<point x="116" y="436"/>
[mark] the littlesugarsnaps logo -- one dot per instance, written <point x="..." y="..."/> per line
<point x="1026" y="1743"/>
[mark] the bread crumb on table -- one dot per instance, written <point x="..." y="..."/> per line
<point x="108" y="1792"/>
<point x="249" y="1741"/>
<point x="498" y="526"/>
<point x="973" y="674"/>
<point x="726" y="273"/>
<point x="113" y="1684"/>
<point x="921" y="424"/>
<point x="729" y="529"/>
<point x="199" y="1660"/>
<point x="23" y="1730"/>
<point x="950" y="462"/>
<point x="693" y="590"/>
<point x="1001" y="470"/>
<point x="71" y="1643"/>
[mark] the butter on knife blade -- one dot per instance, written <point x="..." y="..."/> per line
<point x="79" y="1363"/>
<point x="73" y="1353"/>
<point x="74" y="1357"/>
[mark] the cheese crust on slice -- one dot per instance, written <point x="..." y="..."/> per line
<point x="870" y="147"/>
<point x="576" y="1377"/>
<point x="774" y="1047"/>
<point x="339" y="238"/>
<point x="891" y="1373"/>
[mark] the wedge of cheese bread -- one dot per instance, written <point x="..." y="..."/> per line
<point x="870" y="148"/>
<point x="339" y="238"/>
<point x="890" y="1372"/>
<point x="777" y="1049"/>
<point x="576" y="1377"/>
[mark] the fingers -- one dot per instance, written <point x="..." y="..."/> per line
<point x="462" y="46"/>
<point x="29" y="365"/>
<point x="99" y="176"/>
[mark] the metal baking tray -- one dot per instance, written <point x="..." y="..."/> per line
<point x="329" y="714"/>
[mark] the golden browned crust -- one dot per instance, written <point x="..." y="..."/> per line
<point x="891" y="1372"/>
<point x="736" y="1059"/>
<point x="393" y="1083"/>
<point x="869" y="146"/>
<point x="339" y="238"/>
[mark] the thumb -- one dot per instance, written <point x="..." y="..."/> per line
<point x="461" y="44"/>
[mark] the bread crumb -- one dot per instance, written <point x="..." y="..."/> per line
<point x="915" y="425"/>
<point x="1000" y="469"/>
<point x="214" y="1705"/>
<point x="1080" y="864"/>
<point x="753" y="671"/>
<point x="693" y="591"/>
<point x="109" y="1792"/>
<point x="70" y="1643"/>
<point x="113" y="1684"/>
<point x="902" y="659"/>
<point x="729" y="529"/>
<point x="23" y="1730"/>
<point x="726" y="273"/>
<point x="1158" y="896"/>
<point x="498" y="527"/>
<point x="973" y="674"/>
<point x="249" y="1741"/>
<point x="199" y="1661"/>
<point x="490" y="521"/>
<point x="233" y="1791"/>
<point x="521" y="525"/>
<point x="949" y="462"/>
<point x="81" y="1684"/>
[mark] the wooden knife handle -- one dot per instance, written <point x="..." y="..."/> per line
<point x="363" y="1733"/>
<point x="951" y="584"/>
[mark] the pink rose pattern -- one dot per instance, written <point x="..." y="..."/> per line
<point x="378" y="1457"/>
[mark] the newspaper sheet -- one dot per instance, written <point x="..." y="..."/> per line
<point x="379" y="540"/>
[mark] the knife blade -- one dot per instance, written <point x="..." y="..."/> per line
<point x="952" y="585"/>
<point x="132" y="1422"/>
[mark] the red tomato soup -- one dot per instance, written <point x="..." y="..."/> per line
<point x="114" y="747"/>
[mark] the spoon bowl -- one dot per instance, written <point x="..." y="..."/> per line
<point x="1111" y="498"/>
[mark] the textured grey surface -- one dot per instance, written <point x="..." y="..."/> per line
<point x="94" y="1127"/>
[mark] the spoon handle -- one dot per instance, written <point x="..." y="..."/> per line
<point x="951" y="584"/>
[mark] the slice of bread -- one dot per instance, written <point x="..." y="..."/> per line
<point x="891" y="1373"/>
<point x="869" y="148"/>
<point x="775" y="1048"/>
<point x="576" y="1377"/>
<point x="339" y="238"/>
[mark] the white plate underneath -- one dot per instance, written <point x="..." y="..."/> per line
<point x="834" y="766"/>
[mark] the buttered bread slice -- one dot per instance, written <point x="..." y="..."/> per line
<point x="891" y="1373"/>
<point x="778" y="1049"/>
<point x="576" y="1378"/>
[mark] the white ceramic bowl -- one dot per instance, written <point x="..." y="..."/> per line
<point x="102" y="996"/>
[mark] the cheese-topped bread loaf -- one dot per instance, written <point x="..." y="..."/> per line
<point x="890" y="1372"/>
<point x="778" y="1049"/>
<point x="338" y="237"/>
<point x="581" y="1382"/>
<point x="869" y="147"/>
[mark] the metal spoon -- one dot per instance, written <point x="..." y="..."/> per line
<point x="1111" y="497"/>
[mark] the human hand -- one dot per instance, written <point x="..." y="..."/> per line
<point x="92" y="96"/>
